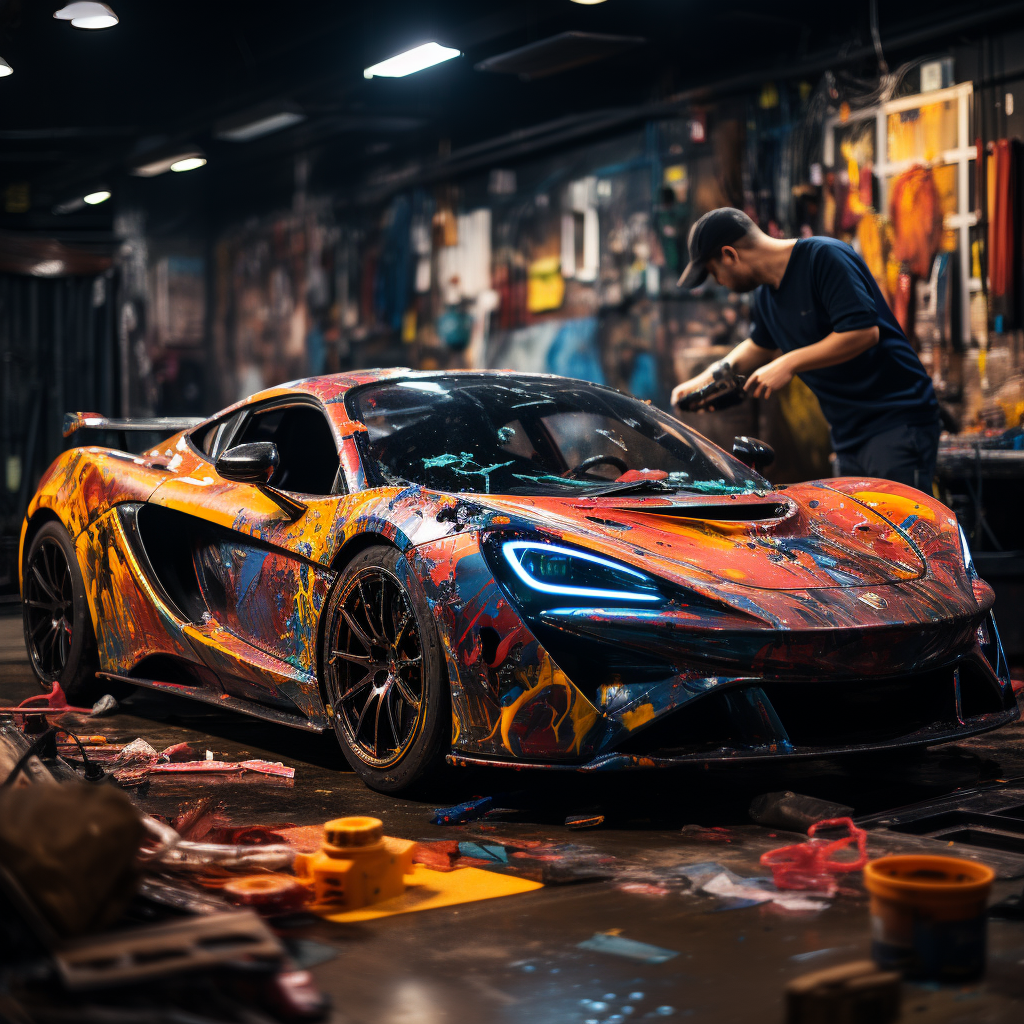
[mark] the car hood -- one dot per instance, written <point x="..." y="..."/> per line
<point x="806" y="537"/>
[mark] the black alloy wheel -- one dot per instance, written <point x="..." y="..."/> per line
<point x="379" y="665"/>
<point x="58" y="630"/>
<point x="381" y="669"/>
<point x="49" y="609"/>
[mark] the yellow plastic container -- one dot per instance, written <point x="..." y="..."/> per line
<point x="928" y="915"/>
<point x="357" y="865"/>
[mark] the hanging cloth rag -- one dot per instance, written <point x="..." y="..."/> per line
<point x="1003" y="244"/>
<point x="916" y="215"/>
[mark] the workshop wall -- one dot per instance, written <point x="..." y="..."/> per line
<point x="563" y="264"/>
<point x="59" y="350"/>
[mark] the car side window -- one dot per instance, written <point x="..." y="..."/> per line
<point x="308" y="457"/>
<point x="212" y="439"/>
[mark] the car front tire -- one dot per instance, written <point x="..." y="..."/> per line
<point x="383" y="671"/>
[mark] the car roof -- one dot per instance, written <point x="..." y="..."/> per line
<point x="330" y="389"/>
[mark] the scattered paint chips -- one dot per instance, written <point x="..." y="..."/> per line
<point x="484" y="851"/>
<point x="225" y="767"/>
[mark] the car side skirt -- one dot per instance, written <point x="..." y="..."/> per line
<point x="220" y="700"/>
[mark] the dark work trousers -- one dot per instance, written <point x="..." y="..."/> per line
<point x="905" y="454"/>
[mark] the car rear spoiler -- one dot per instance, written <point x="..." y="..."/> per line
<point x="158" y="424"/>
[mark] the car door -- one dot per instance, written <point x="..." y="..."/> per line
<point x="259" y="574"/>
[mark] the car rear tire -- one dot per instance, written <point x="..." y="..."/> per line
<point x="383" y="671"/>
<point x="59" y="636"/>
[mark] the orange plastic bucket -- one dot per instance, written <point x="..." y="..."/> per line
<point x="928" y="915"/>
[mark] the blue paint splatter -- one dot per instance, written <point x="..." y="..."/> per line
<point x="249" y="572"/>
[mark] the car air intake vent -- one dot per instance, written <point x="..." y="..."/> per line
<point x="557" y="53"/>
<point x="733" y="512"/>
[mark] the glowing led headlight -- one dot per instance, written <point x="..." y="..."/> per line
<point x="965" y="550"/>
<point x="568" y="572"/>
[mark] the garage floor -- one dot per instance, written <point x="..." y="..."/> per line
<point x="517" y="958"/>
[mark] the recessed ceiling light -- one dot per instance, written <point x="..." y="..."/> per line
<point x="5" y="68"/>
<point x="257" y="122"/>
<point x="87" y="15"/>
<point x="588" y="2"/>
<point x="163" y="159"/>
<point x="416" y="59"/>
<point x="95" y="198"/>
<point x="190" y="163"/>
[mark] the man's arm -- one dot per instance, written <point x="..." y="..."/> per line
<point x="743" y="359"/>
<point x="838" y="347"/>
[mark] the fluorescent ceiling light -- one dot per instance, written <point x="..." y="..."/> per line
<point x="94" y="198"/>
<point x="169" y="160"/>
<point x="48" y="268"/>
<point x="87" y="15"/>
<point x="416" y="59"/>
<point x="5" y="68"/>
<point x="190" y="163"/>
<point x="260" y="121"/>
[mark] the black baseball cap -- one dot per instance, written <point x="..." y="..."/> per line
<point x="707" y="236"/>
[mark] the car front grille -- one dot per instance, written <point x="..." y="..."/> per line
<point x="802" y="716"/>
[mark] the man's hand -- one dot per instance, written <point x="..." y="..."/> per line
<point x="746" y="356"/>
<point x="773" y="376"/>
<point x="680" y="391"/>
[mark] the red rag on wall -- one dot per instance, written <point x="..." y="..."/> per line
<point x="1003" y="242"/>
<point x="1000" y="234"/>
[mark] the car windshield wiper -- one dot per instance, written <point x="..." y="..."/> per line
<point x="656" y="486"/>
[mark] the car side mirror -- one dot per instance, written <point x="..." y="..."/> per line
<point x="255" y="464"/>
<point x="249" y="463"/>
<point x="752" y="452"/>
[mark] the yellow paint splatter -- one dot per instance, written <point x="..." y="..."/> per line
<point x="639" y="716"/>
<point x="580" y="711"/>
<point x="894" y="507"/>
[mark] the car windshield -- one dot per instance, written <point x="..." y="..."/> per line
<point x="489" y="434"/>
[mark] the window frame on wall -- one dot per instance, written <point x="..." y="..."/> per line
<point x="961" y="156"/>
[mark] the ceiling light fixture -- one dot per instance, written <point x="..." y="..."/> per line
<point x="47" y="268"/>
<point x="162" y="160"/>
<point x="87" y="15"/>
<point x="95" y="198"/>
<point x="588" y="2"/>
<point x="258" y="121"/>
<point x="416" y="59"/>
<point x="190" y="163"/>
<point x="5" y="68"/>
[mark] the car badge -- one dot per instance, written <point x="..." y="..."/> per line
<point x="873" y="601"/>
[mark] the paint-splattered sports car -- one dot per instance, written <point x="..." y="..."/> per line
<point x="501" y="568"/>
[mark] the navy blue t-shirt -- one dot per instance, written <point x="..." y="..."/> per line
<point x="827" y="287"/>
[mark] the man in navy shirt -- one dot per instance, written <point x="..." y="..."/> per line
<point x="819" y="314"/>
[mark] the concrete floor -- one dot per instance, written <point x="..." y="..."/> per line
<point x="516" y="959"/>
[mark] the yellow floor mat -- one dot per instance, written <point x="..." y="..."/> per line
<point x="428" y="889"/>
